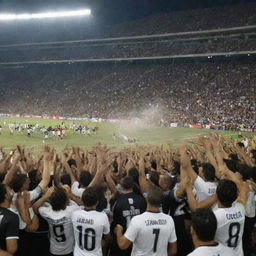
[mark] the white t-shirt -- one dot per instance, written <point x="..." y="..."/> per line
<point x="76" y="190"/>
<point x="218" y="250"/>
<point x="204" y="189"/>
<point x="89" y="226"/>
<point x="230" y="227"/>
<point x="250" y="205"/>
<point x="33" y="195"/>
<point x="61" y="228"/>
<point x="150" y="234"/>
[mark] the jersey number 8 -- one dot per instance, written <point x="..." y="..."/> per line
<point x="233" y="233"/>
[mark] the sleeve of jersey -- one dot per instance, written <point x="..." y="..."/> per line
<point x="76" y="190"/>
<point x="12" y="231"/>
<point x="132" y="231"/>
<point x="199" y="184"/>
<point x="44" y="210"/>
<point x="35" y="193"/>
<point x="172" y="237"/>
<point x="106" y="229"/>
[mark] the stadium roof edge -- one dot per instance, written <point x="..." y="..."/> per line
<point x="136" y="59"/>
<point x="166" y="35"/>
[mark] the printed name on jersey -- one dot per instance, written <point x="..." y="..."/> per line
<point x="234" y="216"/>
<point x="85" y="221"/>
<point x="52" y="221"/>
<point x="155" y="222"/>
<point x="131" y="212"/>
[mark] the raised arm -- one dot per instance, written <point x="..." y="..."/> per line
<point x="103" y="163"/>
<point x="144" y="184"/>
<point x="23" y="206"/>
<point x="42" y="200"/>
<point x="186" y="164"/>
<point x="8" y="177"/>
<point x="48" y="161"/>
<point x="193" y="203"/>
<point x="64" y="161"/>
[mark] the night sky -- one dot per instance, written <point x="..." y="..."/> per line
<point x="114" y="10"/>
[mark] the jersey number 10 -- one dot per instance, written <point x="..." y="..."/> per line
<point x="87" y="240"/>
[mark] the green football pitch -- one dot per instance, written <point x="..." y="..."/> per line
<point x="153" y="135"/>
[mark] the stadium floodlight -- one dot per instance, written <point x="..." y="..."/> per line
<point x="44" y="15"/>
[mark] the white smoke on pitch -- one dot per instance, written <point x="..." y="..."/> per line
<point x="142" y="119"/>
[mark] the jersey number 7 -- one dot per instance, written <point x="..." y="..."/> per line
<point x="156" y="232"/>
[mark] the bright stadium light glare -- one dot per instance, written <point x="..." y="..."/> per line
<point x="44" y="15"/>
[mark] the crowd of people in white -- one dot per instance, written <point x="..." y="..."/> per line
<point x="198" y="199"/>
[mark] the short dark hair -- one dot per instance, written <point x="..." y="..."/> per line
<point x="204" y="224"/>
<point x="85" y="178"/>
<point x="58" y="199"/>
<point x="240" y="144"/>
<point x="245" y="171"/>
<point x="3" y="192"/>
<point x="72" y="162"/>
<point x="18" y="180"/>
<point x="90" y="197"/>
<point x="134" y="173"/>
<point x="127" y="182"/>
<point x="33" y="179"/>
<point x="65" y="179"/>
<point x="208" y="171"/>
<point x="226" y="192"/>
<point x="233" y="157"/>
<point x="154" y="178"/>
<point x="155" y="197"/>
<point x="231" y="164"/>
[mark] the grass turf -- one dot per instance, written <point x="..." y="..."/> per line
<point x="153" y="135"/>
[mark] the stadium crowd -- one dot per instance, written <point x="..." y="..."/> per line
<point x="220" y="93"/>
<point x="161" y="47"/>
<point x="147" y="200"/>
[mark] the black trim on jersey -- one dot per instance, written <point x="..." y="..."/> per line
<point x="210" y="245"/>
<point x="89" y="210"/>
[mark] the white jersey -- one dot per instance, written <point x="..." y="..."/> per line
<point x="230" y="227"/>
<point x="76" y="190"/>
<point x="61" y="228"/>
<point x="250" y="205"/>
<point x="217" y="250"/>
<point x="204" y="189"/>
<point x="89" y="226"/>
<point x="150" y="233"/>
<point x="33" y="195"/>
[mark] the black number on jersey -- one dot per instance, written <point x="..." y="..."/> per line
<point x="156" y="232"/>
<point x="58" y="231"/>
<point x="87" y="240"/>
<point x="233" y="233"/>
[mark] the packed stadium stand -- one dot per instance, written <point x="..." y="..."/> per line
<point x="203" y="75"/>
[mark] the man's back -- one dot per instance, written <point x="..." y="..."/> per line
<point x="9" y="226"/>
<point x="230" y="227"/>
<point x="89" y="226"/>
<point x="204" y="189"/>
<point x="150" y="233"/>
<point x="127" y="206"/>
<point x="217" y="249"/>
<point x="61" y="229"/>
